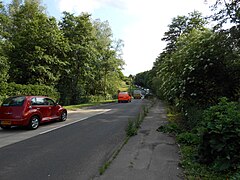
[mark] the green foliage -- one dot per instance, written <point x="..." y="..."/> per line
<point x="188" y="141"/>
<point x="220" y="146"/>
<point x="13" y="89"/>
<point x="4" y="65"/>
<point x="192" y="169"/>
<point x="77" y="56"/>
<point x="225" y="11"/>
<point x="171" y="128"/>
<point x="182" y="25"/>
<point x="37" y="48"/>
<point x="94" y="65"/>
<point x="188" y="138"/>
<point x="131" y="129"/>
<point x="200" y="66"/>
<point x="192" y="116"/>
<point x="197" y="67"/>
<point x="134" y="124"/>
<point x="235" y="176"/>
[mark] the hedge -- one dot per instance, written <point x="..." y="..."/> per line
<point x="13" y="89"/>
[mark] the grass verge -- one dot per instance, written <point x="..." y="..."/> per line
<point x="79" y="106"/>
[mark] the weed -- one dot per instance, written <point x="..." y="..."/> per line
<point x="134" y="124"/>
<point x="131" y="129"/>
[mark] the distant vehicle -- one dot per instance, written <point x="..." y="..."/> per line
<point x="124" y="97"/>
<point x="137" y="94"/>
<point x="30" y="111"/>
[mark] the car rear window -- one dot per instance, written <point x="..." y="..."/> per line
<point x="14" y="101"/>
<point x="123" y="93"/>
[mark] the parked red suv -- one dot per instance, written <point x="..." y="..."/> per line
<point x="30" y="111"/>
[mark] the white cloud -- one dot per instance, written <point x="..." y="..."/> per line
<point x="142" y="37"/>
<point x="78" y="6"/>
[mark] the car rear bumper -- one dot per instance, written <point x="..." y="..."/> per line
<point x="123" y="99"/>
<point x="13" y="122"/>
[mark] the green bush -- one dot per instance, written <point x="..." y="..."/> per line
<point x="13" y="89"/>
<point x="192" y="116"/>
<point x="171" y="127"/>
<point x="98" y="98"/>
<point x="220" y="136"/>
<point x="188" y="138"/>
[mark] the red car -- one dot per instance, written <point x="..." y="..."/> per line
<point x="124" y="97"/>
<point x="30" y="111"/>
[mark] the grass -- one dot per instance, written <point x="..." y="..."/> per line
<point x="134" y="124"/>
<point x="79" y="106"/>
<point x="124" y="86"/>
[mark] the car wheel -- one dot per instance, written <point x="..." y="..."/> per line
<point x="119" y="101"/>
<point x="34" y="122"/>
<point x="5" y="127"/>
<point x="63" y="116"/>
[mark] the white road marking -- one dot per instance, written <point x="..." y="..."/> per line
<point x="62" y="126"/>
<point x="10" y="137"/>
<point x="82" y="119"/>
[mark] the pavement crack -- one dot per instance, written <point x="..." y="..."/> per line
<point x="145" y="132"/>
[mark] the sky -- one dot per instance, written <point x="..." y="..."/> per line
<point x="139" y="23"/>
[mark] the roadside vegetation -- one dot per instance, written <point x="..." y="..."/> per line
<point x="198" y="76"/>
<point x="95" y="103"/>
<point x="135" y="123"/>
<point x="73" y="60"/>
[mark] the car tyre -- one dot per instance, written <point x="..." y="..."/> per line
<point x="34" y="122"/>
<point x="63" y="116"/>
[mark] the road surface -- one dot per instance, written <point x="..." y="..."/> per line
<point x="70" y="150"/>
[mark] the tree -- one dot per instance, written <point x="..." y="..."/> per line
<point x="181" y="25"/>
<point x="109" y="59"/>
<point x="79" y="32"/>
<point x="14" y="7"/>
<point x="4" y="65"/>
<point x="38" y="48"/>
<point x="226" y="11"/>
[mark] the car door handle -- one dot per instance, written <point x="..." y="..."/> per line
<point x="38" y="108"/>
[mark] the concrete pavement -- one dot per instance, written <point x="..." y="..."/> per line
<point x="150" y="155"/>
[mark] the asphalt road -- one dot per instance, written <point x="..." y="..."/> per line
<point x="71" y="151"/>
